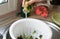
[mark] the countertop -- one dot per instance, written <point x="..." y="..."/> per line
<point x="33" y="15"/>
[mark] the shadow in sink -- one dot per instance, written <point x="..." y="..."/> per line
<point x="8" y="36"/>
<point x="56" y="35"/>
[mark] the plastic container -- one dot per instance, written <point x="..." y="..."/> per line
<point x="29" y="25"/>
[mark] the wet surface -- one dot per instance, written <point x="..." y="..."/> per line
<point x="56" y="35"/>
<point x="8" y="36"/>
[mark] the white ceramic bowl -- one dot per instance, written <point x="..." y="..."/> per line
<point x="29" y="25"/>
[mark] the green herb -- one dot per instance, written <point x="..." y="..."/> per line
<point x="20" y="37"/>
<point x="36" y="38"/>
<point x="34" y="32"/>
<point x="40" y="36"/>
<point x="30" y="6"/>
<point x="26" y="37"/>
<point x="30" y="37"/>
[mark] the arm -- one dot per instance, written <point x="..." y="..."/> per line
<point x="32" y="1"/>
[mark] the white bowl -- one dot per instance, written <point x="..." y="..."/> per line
<point x="27" y="26"/>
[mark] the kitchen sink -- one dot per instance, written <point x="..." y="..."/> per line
<point x="56" y="32"/>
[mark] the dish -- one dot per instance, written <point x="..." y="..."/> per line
<point x="56" y="18"/>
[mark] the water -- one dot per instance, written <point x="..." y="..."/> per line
<point x="25" y="12"/>
<point x="26" y="15"/>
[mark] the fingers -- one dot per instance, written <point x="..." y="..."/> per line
<point x="31" y="2"/>
<point x="23" y="3"/>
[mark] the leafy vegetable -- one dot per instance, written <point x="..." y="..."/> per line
<point x="34" y="32"/>
<point x="30" y="37"/>
<point x="40" y="36"/>
<point x="36" y="38"/>
<point x="26" y="37"/>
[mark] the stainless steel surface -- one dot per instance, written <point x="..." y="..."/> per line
<point x="4" y="29"/>
<point x="1" y="36"/>
<point x="54" y="26"/>
<point x="55" y="30"/>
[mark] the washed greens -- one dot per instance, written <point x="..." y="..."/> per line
<point x="29" y="37"/>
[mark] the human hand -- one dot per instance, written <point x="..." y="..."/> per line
<point x="32" y="1"/>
